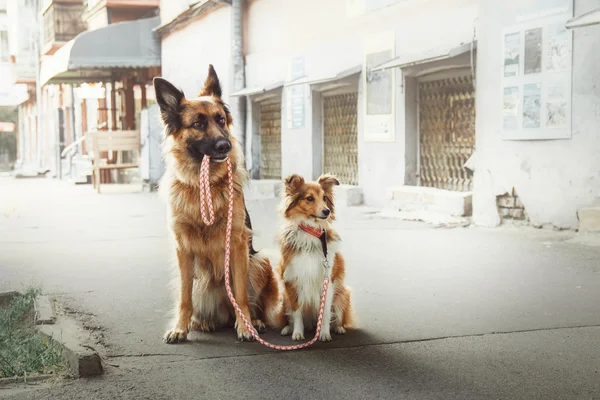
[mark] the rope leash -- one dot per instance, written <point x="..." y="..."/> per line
<point x="206" y="204"/>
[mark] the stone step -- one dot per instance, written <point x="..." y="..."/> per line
<point x="348" y="195"/>
<point x="260" y="189"/>
<point x="589" y="219"/>
<point x="426" y="199"/>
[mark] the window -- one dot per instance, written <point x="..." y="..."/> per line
<point x="3" y="46"/>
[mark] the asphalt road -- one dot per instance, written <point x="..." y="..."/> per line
<point x="444" y="313"/>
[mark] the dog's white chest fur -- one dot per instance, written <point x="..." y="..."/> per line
<point x="306" y="269"/>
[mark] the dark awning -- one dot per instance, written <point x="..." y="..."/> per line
<point x="93" y="55"/>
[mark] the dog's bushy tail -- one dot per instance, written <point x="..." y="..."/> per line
<point x="344" y="309"/>
<point x="272" y="305"/>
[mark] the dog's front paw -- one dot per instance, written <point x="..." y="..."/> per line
<point x="175" y="335"/>
<point x="243" y="333"/>
<point x="286" y="331"/>
<point x="298" y="336"/>
<point x="325" y="336"/>
<point x="340" y="330"/>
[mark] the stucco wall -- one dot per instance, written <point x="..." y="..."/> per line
<point x="331" y="42"/>
<point x="275" y="32"/>
<point x="98" y="20"/>
<point x="553" y="178"/>
<point x="187" y="51"/>
<point x="169" y="9"/>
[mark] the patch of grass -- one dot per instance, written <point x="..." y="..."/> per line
<point x="23" y="349"/>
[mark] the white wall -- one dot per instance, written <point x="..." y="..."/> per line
<point x="188" y="50"/>
<point x="332" y="42"/>
<point x="5" y="74"/>
<point x="553" y="178"/>
<point x="10" y="94"/>
<point x="169" y="9"/>
<point x="320" y="30"/>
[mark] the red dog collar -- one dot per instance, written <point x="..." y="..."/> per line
<point x="316" y="232"/>
<point x="320" y="234"/>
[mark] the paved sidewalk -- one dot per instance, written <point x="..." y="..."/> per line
<point x="440" y="309"/>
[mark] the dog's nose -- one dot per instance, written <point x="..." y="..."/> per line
<point x="222" y="146"/>
<point x="326" y="212"/>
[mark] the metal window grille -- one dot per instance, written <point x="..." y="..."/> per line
<point x="270" y="140"/>
<point x="447" y="132"/>
<point x="340" y="138"/>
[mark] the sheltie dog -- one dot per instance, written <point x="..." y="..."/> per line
<point x="195" y="128"/>
<point x="308" y="210"/>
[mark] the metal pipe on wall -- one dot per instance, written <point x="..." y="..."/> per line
<point x="74" y="135"/>
<point x="38" y="105"/>
<point x="238" y="104"/>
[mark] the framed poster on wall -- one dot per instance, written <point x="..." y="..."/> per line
<point x="536" y="79"/>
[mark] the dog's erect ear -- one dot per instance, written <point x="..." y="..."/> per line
<point x="327" y="182"/>
<point x="293" y="183"/>
<point x="169" y="100"/>
<point x="212" y="86"/>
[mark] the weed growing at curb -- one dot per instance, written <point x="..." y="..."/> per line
<point x="23" y="350"/>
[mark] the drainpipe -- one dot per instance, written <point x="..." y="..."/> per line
<point x="21" y="158"/>
<point x="238" y="104"/>
<point x="38" y="101"/>
<point x="37" y="38"/>
<point x="74" y="135"/>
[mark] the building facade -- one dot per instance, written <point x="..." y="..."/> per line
<point x="315" y="99"/>
<point x="87" y="66"/>
<point x="485" y="108"/>
<point x="193" y="37"/>
<point x="538" y="113"/>
<point x="10" y="94"/>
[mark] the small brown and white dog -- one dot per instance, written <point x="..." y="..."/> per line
<point x="195" y="128"/>
<point x="308" y="210"/>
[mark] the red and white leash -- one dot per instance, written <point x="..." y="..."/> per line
<point x="206" y="203"/>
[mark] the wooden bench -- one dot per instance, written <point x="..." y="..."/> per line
<point x="113" y="141"/>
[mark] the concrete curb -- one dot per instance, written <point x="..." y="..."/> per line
<point x="82" y="361"/>
<point x="26" y="379"/>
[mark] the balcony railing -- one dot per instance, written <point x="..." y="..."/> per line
<point x="62" y="22"/>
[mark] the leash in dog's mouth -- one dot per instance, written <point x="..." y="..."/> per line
<point x="206" y="203"/>
<point x="220" y="159"/>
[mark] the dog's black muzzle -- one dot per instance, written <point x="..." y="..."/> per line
<point x="216" y="148"/>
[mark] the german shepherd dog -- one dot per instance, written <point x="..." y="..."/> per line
<point x="195" y="128"/>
